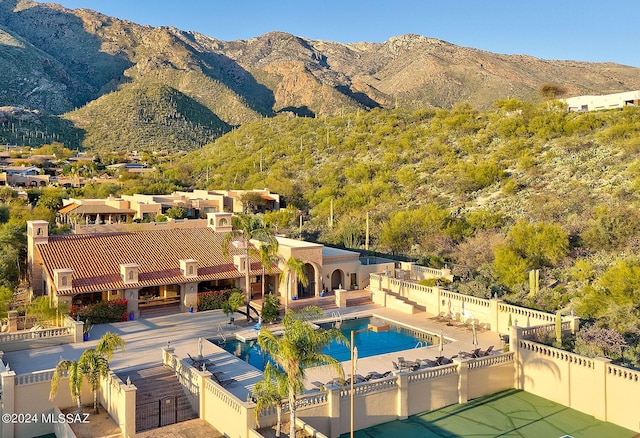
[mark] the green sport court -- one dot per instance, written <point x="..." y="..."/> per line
<point x="510" y="413"/>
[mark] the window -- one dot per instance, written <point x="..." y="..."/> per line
<point x="131" y="275"/>
<point x="223" y="222"/>
<point x="190" y="270"/>
<point x="63" y="281"/>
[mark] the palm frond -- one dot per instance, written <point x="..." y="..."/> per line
<point x="109" y="343"/>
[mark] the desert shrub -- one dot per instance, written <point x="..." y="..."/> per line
<point x="469" y="177"/>
<point x="593" y="341"/>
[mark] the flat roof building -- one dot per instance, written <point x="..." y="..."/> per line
<point x="603" y="102"/>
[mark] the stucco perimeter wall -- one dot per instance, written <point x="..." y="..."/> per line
<point x="487" y="375"/>
<point x="590" y="385"/>
<point x="225" y="412"/>
<point x="313" y="409"/>
<point x="623" y="396"/>
<point x="432" y="388"/>
<point x="374" y="403"/>
<point x="31" y="396"/>
<point x="119" y="400"/>
<point x="45" y="337"/>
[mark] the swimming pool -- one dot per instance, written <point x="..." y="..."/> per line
<point x="369" y="343"/>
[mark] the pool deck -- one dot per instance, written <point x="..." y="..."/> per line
<point x="145" y="339"/>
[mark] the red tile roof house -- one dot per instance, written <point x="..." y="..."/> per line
<point x="149" y="268"/>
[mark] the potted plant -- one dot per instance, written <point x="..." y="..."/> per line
<point x="86" y="329"/>
<point x="226" y="308"/>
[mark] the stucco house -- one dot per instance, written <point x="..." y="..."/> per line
<point x="167" y="265"/>
<point x="603" y="101"/>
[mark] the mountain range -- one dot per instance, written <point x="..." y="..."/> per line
<point x="164" y="87"/>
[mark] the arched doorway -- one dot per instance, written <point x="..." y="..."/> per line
<point x="337" y="279"/>
<point x="310" y="289"/>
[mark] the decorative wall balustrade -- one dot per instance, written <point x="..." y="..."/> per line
<point x="370" y="387"/>
<point x="35" y="334"/>
<point x="623" y="373"/>
<point x="491" y="360"/>
<point x="433" y="373"/>
<point x="29" y="379"/>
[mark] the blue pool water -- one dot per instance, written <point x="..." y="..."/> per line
<point x="369" y="343"/>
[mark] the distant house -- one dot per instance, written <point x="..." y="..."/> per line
<point x="603" y="102"/>
<point x="23" y="176"/>
<point x="22" y="170"/>
<point x="95" y="211"/>
<point x="132" y="167"/>
<point x="196" y="204"/>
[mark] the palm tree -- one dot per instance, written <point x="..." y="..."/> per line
<point x="272" y="391"/>
<point x="74" y="372"/>
<point x="246" y="227"/>
<point x="268" y="253"/>
<point x="108" y="343"/>
<point x="298" y="348"/>
<point x="293" y="270"/>
<point x="94" y="366"/>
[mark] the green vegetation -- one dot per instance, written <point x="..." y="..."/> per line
<point x="212" y="300"/>
<point x="270" y="308"/>
<point x="293" y="273"/>
<point x="149" y="117"/>
<point x="270" y="392"/>
<point x="235" y="301"/>
<point x="29" y="128"/>
<point x="101" y="312"/>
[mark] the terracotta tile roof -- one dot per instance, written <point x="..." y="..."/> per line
<point x="96" y="258"/>
<point x="97" y="209"/>
<point x="68" y="208"/>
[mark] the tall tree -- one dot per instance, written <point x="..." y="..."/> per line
<point x="74" y="371"/>
<point x="300" y="347"/>
<point x="293" y="272"/>
<point x="94" y="366"/>
<point x="245" y="228"/>
<point x="272" y="391"/>
<point x="268" y="253"/>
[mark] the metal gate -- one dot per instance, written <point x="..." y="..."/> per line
<point x="157" y="413"/>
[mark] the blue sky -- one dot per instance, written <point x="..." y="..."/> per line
<point x="586" y="30"/>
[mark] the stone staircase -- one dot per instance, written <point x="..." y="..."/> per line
<point x="158" y="386"/>
<point x="360" y="301"/>
<point x="407" y="302"/>
<point x="326" y="303"/>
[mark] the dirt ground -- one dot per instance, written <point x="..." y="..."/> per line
<point x="103" y="426"/>
<point x="98" y="426"/>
